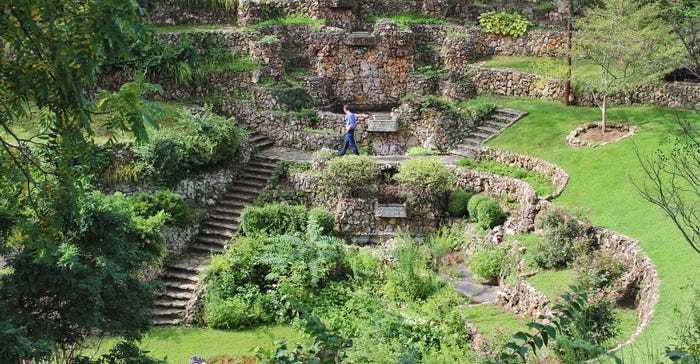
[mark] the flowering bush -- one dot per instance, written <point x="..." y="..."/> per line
<point x="565" y="237"/>
<point x="600" y="273"/>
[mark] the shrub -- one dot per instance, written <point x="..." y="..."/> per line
<point x="504" y="23"/>
<point x="473" y="205"/>
<point x="350" y="176"/>
<point x="273" y="219"/>
<point x="457" y="202"/>
<point x="599" y="270"/>
<point x="489" y="213"/>
<point x="479" y="108"/>
<point x="322" y="219"/>
<point x="146" y="205"/>
<point x="410" y="280"/>
<point x="425" y="179"/>
<point x="565" y="237"/>
<point x="487" y="263"/>
<point x="194" y="144"/>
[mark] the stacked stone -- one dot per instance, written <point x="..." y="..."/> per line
<point x="508" y="82"/>
<point x="557" y="176"/>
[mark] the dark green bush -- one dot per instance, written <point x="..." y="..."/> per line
<point x="457" y="202"/>
<point x="473" y="205"/>
<point x="425" y="179"/>
<point x="489" y="213"/>
<point x="487" y="263"/>
<point x="145" y="205"/>
<point x="350" y="176"/>
<point x="324" y="220"/>
<point x="197" y="142"/>
<point x="273" y="219"/>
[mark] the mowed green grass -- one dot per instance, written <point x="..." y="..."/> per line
<point x="601" y="182"/>
<point x="179" y="344"/>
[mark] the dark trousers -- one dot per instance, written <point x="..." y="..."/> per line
<point x="349" y="140"/>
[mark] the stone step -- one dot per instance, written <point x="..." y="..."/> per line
<point x="211" y="248"/>
<point x="195" y="264"/>
<point x="472" y="141"/>
<point x="168" y="313"/>
<point x="481" y="135"/>
<point x="180" y="276"/>
<point x="512" y="113"/>
<point x="212" y="239"/>
<point x="264" y="144"/>
<point x="170" y="303"/>
<point x="488" y="129"/>
<point x="177" y="286"/>
<point x="218" y="225"/>
<point x="496" y="124"/>
<point x="249" y="183"/>
<point x="239" y="197"/>
<point x="228" y="207"/>
<point x="180" y="296"/>
<point x="167" y="322"/>
<point x="503" y="119"/>
<point x="259" y="169"/>
<point x="267" y="164"/>
<point x="255" y="176"/>
<point x="251" y="190"/>
<point x="463" y="152"/>
<point x="225" y="217"/>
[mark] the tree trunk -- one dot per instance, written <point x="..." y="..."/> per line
<point x="604" y="109"/>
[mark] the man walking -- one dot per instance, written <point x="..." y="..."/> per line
<point x="350" y="125"/>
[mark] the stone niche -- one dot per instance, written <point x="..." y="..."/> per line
<point x="383" y="123"/>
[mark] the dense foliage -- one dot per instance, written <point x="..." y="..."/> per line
<point x="74" y="255"/>
<point x="423" y="179"/>
<point x="273" y="219"/>
<point x="504" y="23"/>
<point x="457" y="202"/>
<point x="350" y="176"/>
<point x="565" y="237"/>
<point x="177" y="212"/>
<point x="197" y="142"/>
<point x="93" y="275"/>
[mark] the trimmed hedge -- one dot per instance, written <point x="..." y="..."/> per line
<point x="457" y="202"/>
<point x="489" y="213"/>
<point x="473" y="204"/>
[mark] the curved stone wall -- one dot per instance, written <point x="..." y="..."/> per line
<point x="557" y="176"/>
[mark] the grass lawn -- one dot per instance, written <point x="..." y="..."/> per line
<point x="553" y="282"/>
<point x="493" y="320"/>
<point x="179" y="344"/>
<point x="601" y="182"/>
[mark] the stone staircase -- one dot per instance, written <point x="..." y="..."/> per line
<point x="501" y="119"/>
<point x="181" y="276"/>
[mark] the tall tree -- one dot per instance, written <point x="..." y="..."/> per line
<point x="74" y="254"/>
<point x="630" y="42"/>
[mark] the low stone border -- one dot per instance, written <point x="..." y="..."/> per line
<point x="574" y="139"/>
<point x="558" y="176"/>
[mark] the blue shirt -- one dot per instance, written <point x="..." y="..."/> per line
<point x="351" y="121"/>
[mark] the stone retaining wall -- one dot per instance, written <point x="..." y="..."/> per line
<point x="507" y="82"/>
<point x="521" y="219"/>
<point x="523" y="299"/>
<point x="557" y="176"/>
